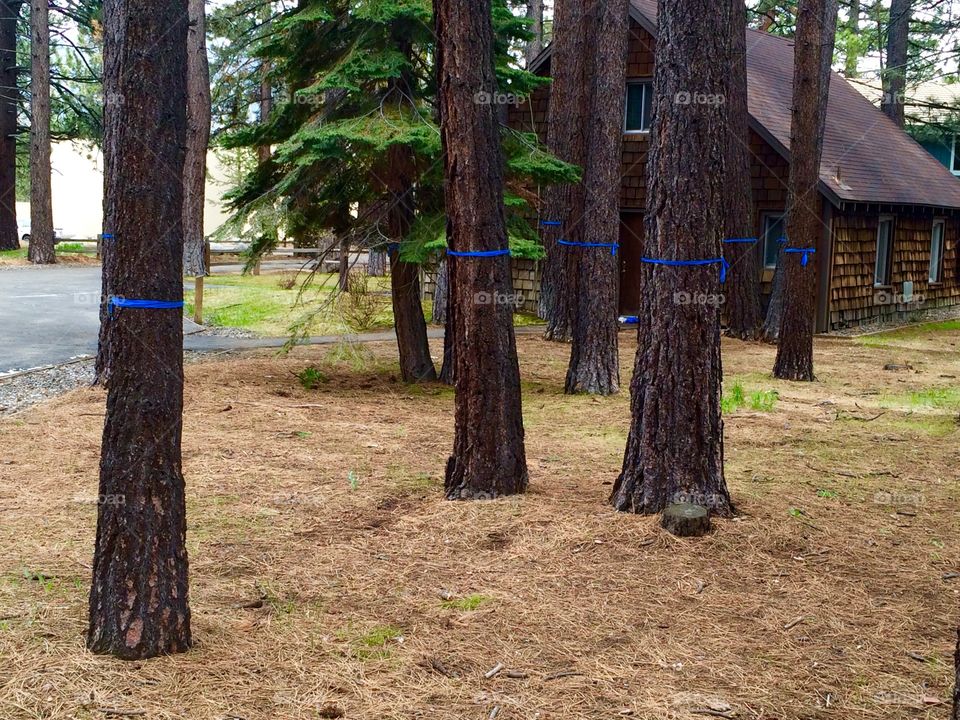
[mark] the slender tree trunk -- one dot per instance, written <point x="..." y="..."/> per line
<point x="955" y="715"/>
<point x="42" y="249"/>
<point x="675" y="445"/>
<point x="895" y="74"/>
<point x="344" y="255"/>
<point x="139" y="596"/>
<point x="488" y="457"/>
<point x="266" y="89"/>
<point x="9" y="234"/>
<point x="743" y="290"/>
<point x="376" y="262"/>
<point x="441" y="294"/>
<point x="535" y="16"/>
<point x="198" y="140"/>
<point x="851" y="63"/>
<point x="770" y="332"/>
<point x="564" y="203"/>
<point x="816" y="31"/>
<point x="594" y="359"/>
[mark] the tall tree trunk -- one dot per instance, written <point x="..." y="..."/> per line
<point x="42" y="249"/>
<point x="771" y="324"/>
<point x="535" y="16"/>
<point x="266" y="89"/>
<point x="9" y="234"/>
<point x="441" y="294"/>
<point x="376" y="262"/>
<point x="851" y="63"/>
<point x="816" y="32"/>
<point x="955" y="715"/>
<point x="895" y="74"/>
<point x="743" y="291"/>
<point x="594" y="359"/>
<point x="198" y="140"/>
<point x="675" y="445"/>
<point x="565" y="138"/>
<point x="139" y="596"/>
<point x="488" y="457"/>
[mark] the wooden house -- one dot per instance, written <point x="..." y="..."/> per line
<point x="891" y="211"/>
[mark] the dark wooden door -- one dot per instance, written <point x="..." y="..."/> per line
<point x="631" y="250"/>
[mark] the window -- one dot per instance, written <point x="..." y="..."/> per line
<point x="639" y="107"/>
<point x="773" y="233"/>
<point x="936" y="251"/>
<point x="955" y="157"/>
<point x="881" y="275"/>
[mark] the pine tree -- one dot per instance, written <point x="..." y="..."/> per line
<point x="41" y="203"/>
<point x="675" y="445"/>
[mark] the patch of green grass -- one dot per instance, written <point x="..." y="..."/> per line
<point x="936" y="398"/>
<point x="827" y="494"/>
<point x="733" y="400"/>
<point x="908" y="333"/>
<point x="66" y="248"/>
<point x="311" y="378"/>
<point x="763" y="400"/>
<point x="466" y="604"/>
<point x="19" y="254"/>
<point x="380" y="636"/>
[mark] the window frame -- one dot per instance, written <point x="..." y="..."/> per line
<point x="765" y="219"/>
<point x="936" y="279"/>
<point x="953" y="156"/>
<point x="647" y="97"/>
<point x="887" y="279"/>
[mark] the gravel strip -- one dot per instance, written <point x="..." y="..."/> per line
<point x="21" y="391"/>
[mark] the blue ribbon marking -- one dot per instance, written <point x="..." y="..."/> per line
<point x="732" y="241"/>
<point x="551" y="223"/>
<point x="478" y="253"/>
<point x="806" y="252"/>
<point x="722" y="262"/>
<point x="393" y="246"/>
<point x="613" y="246"/>
<point x="629" y="319"/>
<point x="120" y="302"/>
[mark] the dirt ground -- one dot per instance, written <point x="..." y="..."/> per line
<point x="330" y="578"/>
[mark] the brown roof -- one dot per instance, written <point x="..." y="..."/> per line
<point x="866" y="157"/>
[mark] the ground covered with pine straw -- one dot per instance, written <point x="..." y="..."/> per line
<point x="330" y="578"/>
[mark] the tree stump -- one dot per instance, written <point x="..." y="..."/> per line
<point x="686" y="520"/>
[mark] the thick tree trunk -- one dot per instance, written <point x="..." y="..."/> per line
<point x="198" y="139"/>
<point x="376" y="262"/>
<point x="675" y="446"/>
<point x="743" y="288"/>
<point x="416" y="365"/>
<point x="594" y="359"/>
<point x="42" y="249"/>
<point x="9" y="235"/>
<point x="488" y="457"/>
<point x="566" y="139"/>
<point x="895" y="74"/>
<point x="816" y="30"/>
<point x="535" y="16"/>
<point x="139" y="596"/>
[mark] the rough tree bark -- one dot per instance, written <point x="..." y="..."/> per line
<point x="42" y="249"/>
<point x="675" y="446"/>
<point x="198" y="139"/>
<point x="535" y="16"/>
<point x="742" y="292"/>
<point x="955" y="715"/>
<point x="441" y="293"/>
<point x="565" y="138"/>
<point x="594" y="359"/>
<point x="816" y="32"/>
<point x="139" y="595"/>
<point x="376" y="262"/>
<point x="488" y="457"/>
<point x="895" y="74"/>
<point x="9" y="235"/>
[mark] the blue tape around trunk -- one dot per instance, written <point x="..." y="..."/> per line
<point x="106" y="236"/>
<point x="806" y="252"/>
<point x="119" y="302"/>
<point x="613" y="246"/>
<point x="550" y="223"/>
<point x="629" y="320"/>
<point x="724" y="265"/>
<point x="393" y="247"/>
<point x="732" y="241"/>
<point x="478" y="253"/>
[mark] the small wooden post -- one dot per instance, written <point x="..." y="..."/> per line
<point x="256" y="268"/>
<point x="198" y="300"/>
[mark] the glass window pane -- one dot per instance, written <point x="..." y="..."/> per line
<point x="882" y="274"/>
<point x="647" y="105"/>
<point x="956" y="156"/>
<point x="773" y="232"/>
<point x="936" y="252"/>
<point x="635" y="93"/>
